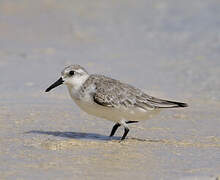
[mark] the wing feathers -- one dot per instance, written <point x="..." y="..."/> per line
<point x="113" y="93"/>
<point x="161" y="103"/>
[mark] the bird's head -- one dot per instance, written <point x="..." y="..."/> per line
<point x="73" y="76"/>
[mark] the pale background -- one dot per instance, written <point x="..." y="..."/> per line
<point x="168" y="48"/>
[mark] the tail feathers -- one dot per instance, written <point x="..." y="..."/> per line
<point x="172" y="104"/>
<point x="160" y="103"/>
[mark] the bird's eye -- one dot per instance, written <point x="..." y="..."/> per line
<point x="71" y="73"/>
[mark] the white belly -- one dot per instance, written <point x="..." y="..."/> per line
<point x="111" y="113"/>
<point x="115" y="114"/>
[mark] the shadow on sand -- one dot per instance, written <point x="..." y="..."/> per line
<point x="80" y="135"/>
<point x="75" y="135"/>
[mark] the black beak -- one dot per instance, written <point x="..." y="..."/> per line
<point x="57" y="83"/>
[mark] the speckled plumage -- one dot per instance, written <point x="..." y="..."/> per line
<point x="113" y="93"/>
<point x="110" y="99"/>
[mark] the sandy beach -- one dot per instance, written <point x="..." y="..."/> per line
<point x="170" y="49"/>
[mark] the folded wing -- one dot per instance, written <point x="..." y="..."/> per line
<point x="113" y="93"/>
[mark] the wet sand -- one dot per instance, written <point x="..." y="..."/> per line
<point x="170" y="49"/>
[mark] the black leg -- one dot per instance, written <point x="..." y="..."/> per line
<point x="125" y="133"/>
<point x="115" y="127"/>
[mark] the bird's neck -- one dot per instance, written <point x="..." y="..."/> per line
<point x="74" y="93"/>
<point x="74" y="90"/>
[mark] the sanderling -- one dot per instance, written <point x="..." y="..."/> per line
<point x="110" y="99"/>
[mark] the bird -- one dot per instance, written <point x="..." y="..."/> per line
<point x="110" y="99"/>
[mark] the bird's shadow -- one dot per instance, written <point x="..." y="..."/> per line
<point x="75" y="135"/>
<point x="81" y="135"/>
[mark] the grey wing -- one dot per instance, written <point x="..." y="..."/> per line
<point x="112" y="93"/>
<point x="103" y="99"/>
<point x="117" y="94"/>
<point x="148" y="103"/>
<point x="108" y="97"/>
<point x="161" y="103"/>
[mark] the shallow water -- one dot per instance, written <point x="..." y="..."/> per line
<point x="170" y="49"/>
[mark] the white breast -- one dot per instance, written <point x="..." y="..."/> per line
<point x="113" y="114"/>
